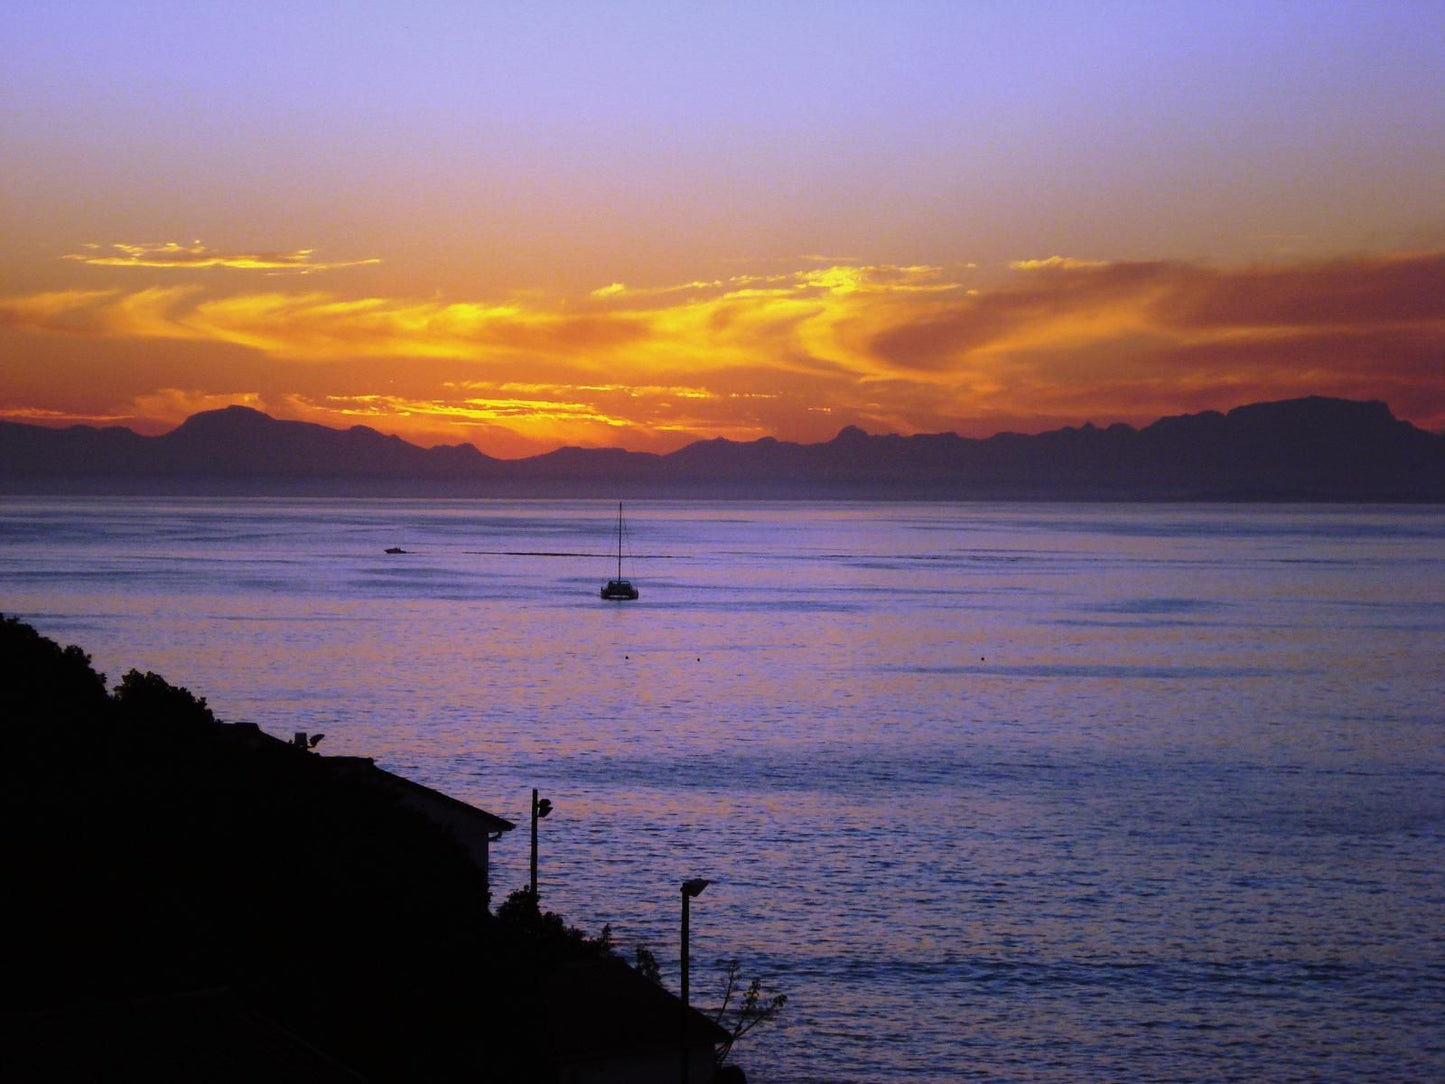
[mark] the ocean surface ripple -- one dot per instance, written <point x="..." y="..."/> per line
<point x="1017" y="792"/>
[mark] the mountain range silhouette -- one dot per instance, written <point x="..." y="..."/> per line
<point x="1311" y="449"/>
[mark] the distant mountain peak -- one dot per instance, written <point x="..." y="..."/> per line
<point x="1312" y="448"/>
<point x="225" y="417"/>
<point x="1320" y="408"/>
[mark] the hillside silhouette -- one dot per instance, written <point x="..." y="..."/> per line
<point x="172" y="874"/>
<point x="1312" y="449"/>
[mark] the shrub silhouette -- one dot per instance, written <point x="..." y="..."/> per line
<point x="41" y="681"/>
<point x="149" y="698"/>
<point x="149" y="850"/>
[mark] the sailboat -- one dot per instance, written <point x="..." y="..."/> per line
<point x="619" y="588"/>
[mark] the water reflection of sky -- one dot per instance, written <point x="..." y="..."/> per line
<point x="1055" y="793"/>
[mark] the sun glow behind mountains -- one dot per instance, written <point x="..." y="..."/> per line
<point x="533" y="226"/>
<point x="798" y="355"/>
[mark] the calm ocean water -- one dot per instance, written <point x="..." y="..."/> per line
<point x="1019" y="792"/>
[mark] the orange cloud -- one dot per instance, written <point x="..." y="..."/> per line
<point x="175" y="405"/>
<point x="1374" y="291"/>
<point x="48" y="416"/>
<point x="798" y="354"/>
<point x="196" y="255"/>
<point x="63" y="311"/>
<point x="1056" y="263"/>
<point x="511" y="422"/>
<point x="320" y="326"/>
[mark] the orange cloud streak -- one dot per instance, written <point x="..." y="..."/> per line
<point x="196" y="255"/>
<point x="798" y="355"/>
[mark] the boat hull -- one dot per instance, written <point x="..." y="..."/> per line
<point x="619" y="590"/>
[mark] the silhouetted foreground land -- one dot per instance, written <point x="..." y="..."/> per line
<point x="196" y="900"/>
<point x="1311" y="449"/>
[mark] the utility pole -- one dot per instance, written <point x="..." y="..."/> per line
<point x="540" y="808"/>
<point x="690" y="889"/>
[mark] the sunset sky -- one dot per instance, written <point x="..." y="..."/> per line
<point x="642" y="224"/>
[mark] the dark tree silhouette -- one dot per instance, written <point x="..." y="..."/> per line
<point x="150" y="699"/>
<point x="646" y="964"/>
<point x="546" y="933"/>
<point x="150" y="849"/>
<point x="40" y="680"/>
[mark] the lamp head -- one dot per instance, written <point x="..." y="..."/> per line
<point x="694" y="887"/>
<point x="544" y="806"/>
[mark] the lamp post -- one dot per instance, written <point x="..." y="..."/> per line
<point x="690" y="889"/>
<point x="540" y="808"/>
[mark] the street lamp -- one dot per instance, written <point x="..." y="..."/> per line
<point x="690" y="889"/>
<point x="540" y="808"/>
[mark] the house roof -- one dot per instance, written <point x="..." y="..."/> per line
<point x="364" y="768"/>
<point x="416" y="794"/>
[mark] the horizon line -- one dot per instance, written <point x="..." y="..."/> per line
<point x="26" y="418"/>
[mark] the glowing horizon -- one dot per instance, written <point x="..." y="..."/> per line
<point x="536" y="228"/>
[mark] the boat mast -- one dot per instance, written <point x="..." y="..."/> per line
<point x="619" y="540"/>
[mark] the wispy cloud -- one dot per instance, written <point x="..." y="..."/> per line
<point x="196" y="256"/>
<point x="62" y="311"/>
<point x="903" y="348"/>
<point x="50" y="416"/>
<point x="175" y="405"/>
<point x="151" y="411"/>
<point x="1055" y="263"/>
